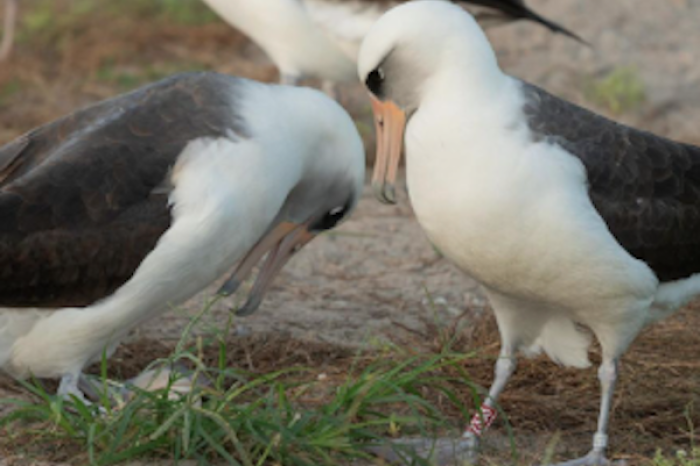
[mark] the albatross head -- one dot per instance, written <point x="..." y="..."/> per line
<point x="328" y="173"/>
<point x="411" y="51"/>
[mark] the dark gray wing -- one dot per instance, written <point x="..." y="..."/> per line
<point x="508" y="9"/>
<point x="645" y="187"/>
<point x="517" y="9"/>
<point x="79" y="208"/>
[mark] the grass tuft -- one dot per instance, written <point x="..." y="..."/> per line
<point x="619" y="91"/>
<point x="293" y="416"/>
<point x="682" y="457"/>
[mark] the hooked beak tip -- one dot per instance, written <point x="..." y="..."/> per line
<point x="247" y="309"/>
<point x="280" y="244"/>
<point x="228" y="288"/>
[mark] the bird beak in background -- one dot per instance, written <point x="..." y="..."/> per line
<point x="390" y="122"/>
<point x="281" y="243"/>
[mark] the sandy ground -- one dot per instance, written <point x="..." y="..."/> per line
<point x="377" y="278"/>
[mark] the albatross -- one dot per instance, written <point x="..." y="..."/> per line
<point x="112" y="214"/>
<point x="575" y="225"/>
<point x="320" y="38"/>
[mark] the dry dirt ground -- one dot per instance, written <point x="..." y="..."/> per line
<point x="374" y="279"/>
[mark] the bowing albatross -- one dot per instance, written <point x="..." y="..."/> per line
<point x="566" y="218"/>
<point x="320" y="38"/>
<point x="112" y="214"/>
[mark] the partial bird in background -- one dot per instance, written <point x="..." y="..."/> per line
<point x="8" y="35"/>
<point x="321" y="38"/>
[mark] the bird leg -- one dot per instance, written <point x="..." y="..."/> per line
<point x="505" y="366"/>
<point x="451" y="450"/>
<point x="607" y="374"/>
<point x="9" y="29"/>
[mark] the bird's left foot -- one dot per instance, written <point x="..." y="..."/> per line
<point x="68" y="391"/>
<point x="178" y="380"/>
<point x="594" y="458"/>
<point x="68" y="388"/>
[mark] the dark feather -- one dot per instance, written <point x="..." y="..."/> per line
<point x="508" y="9"/>
<point x="79" y="204"/>
<point x="645" y="187"/>
<point x="9" y="156"/>
<point x="517" y="9"/>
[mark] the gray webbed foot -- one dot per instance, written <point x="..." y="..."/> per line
<point x="593" y="458"/>
<point x="442" y="451"/>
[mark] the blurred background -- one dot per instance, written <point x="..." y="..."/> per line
<point x="643" y="68"/>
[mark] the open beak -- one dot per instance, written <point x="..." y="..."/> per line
<point x="390" y="122"/>
<point x="280" y="244"/>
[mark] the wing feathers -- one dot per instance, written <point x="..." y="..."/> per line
<point x="10" y="156"/>
<point x="82" y="199"/>
<point x="645" y="187"/>
<point x="517" y="9"/>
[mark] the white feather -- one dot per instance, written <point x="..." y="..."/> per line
<point x="346" y="23"/>
<point x="512" y="212"/>
<point x="295" y="42"/>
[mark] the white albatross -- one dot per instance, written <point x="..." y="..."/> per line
<point x="113" y="214"/>
<point x="321" y="38"/>
<point x="566" y="218"/>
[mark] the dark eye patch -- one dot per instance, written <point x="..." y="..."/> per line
<point x="375" y="82"/>
<point x="328" y="221"/>
<point x="331" y="218"/>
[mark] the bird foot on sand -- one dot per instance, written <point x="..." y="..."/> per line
<point x="74" y="396"/>
<point x="439" y="451"/>
<point x="592" y="459"/>
<point x="69" y="391"/>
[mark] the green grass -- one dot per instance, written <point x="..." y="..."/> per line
<point x="681" y="457"/>
<point x="45" y="21"/>
<point x="189" y="12"/>
<point x="619" y="91"/>
<point x="249" y="419"/>
<point x="42" y="25"/>
<point x="9" y="90"/>
<point x="184" y="12"/>
<point x="127" y="78"/>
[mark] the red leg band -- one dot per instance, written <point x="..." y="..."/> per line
<point x="482" y="420"/>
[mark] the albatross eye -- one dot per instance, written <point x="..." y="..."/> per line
<point x="330" y="219"/>
<point x="375" y="81"/>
